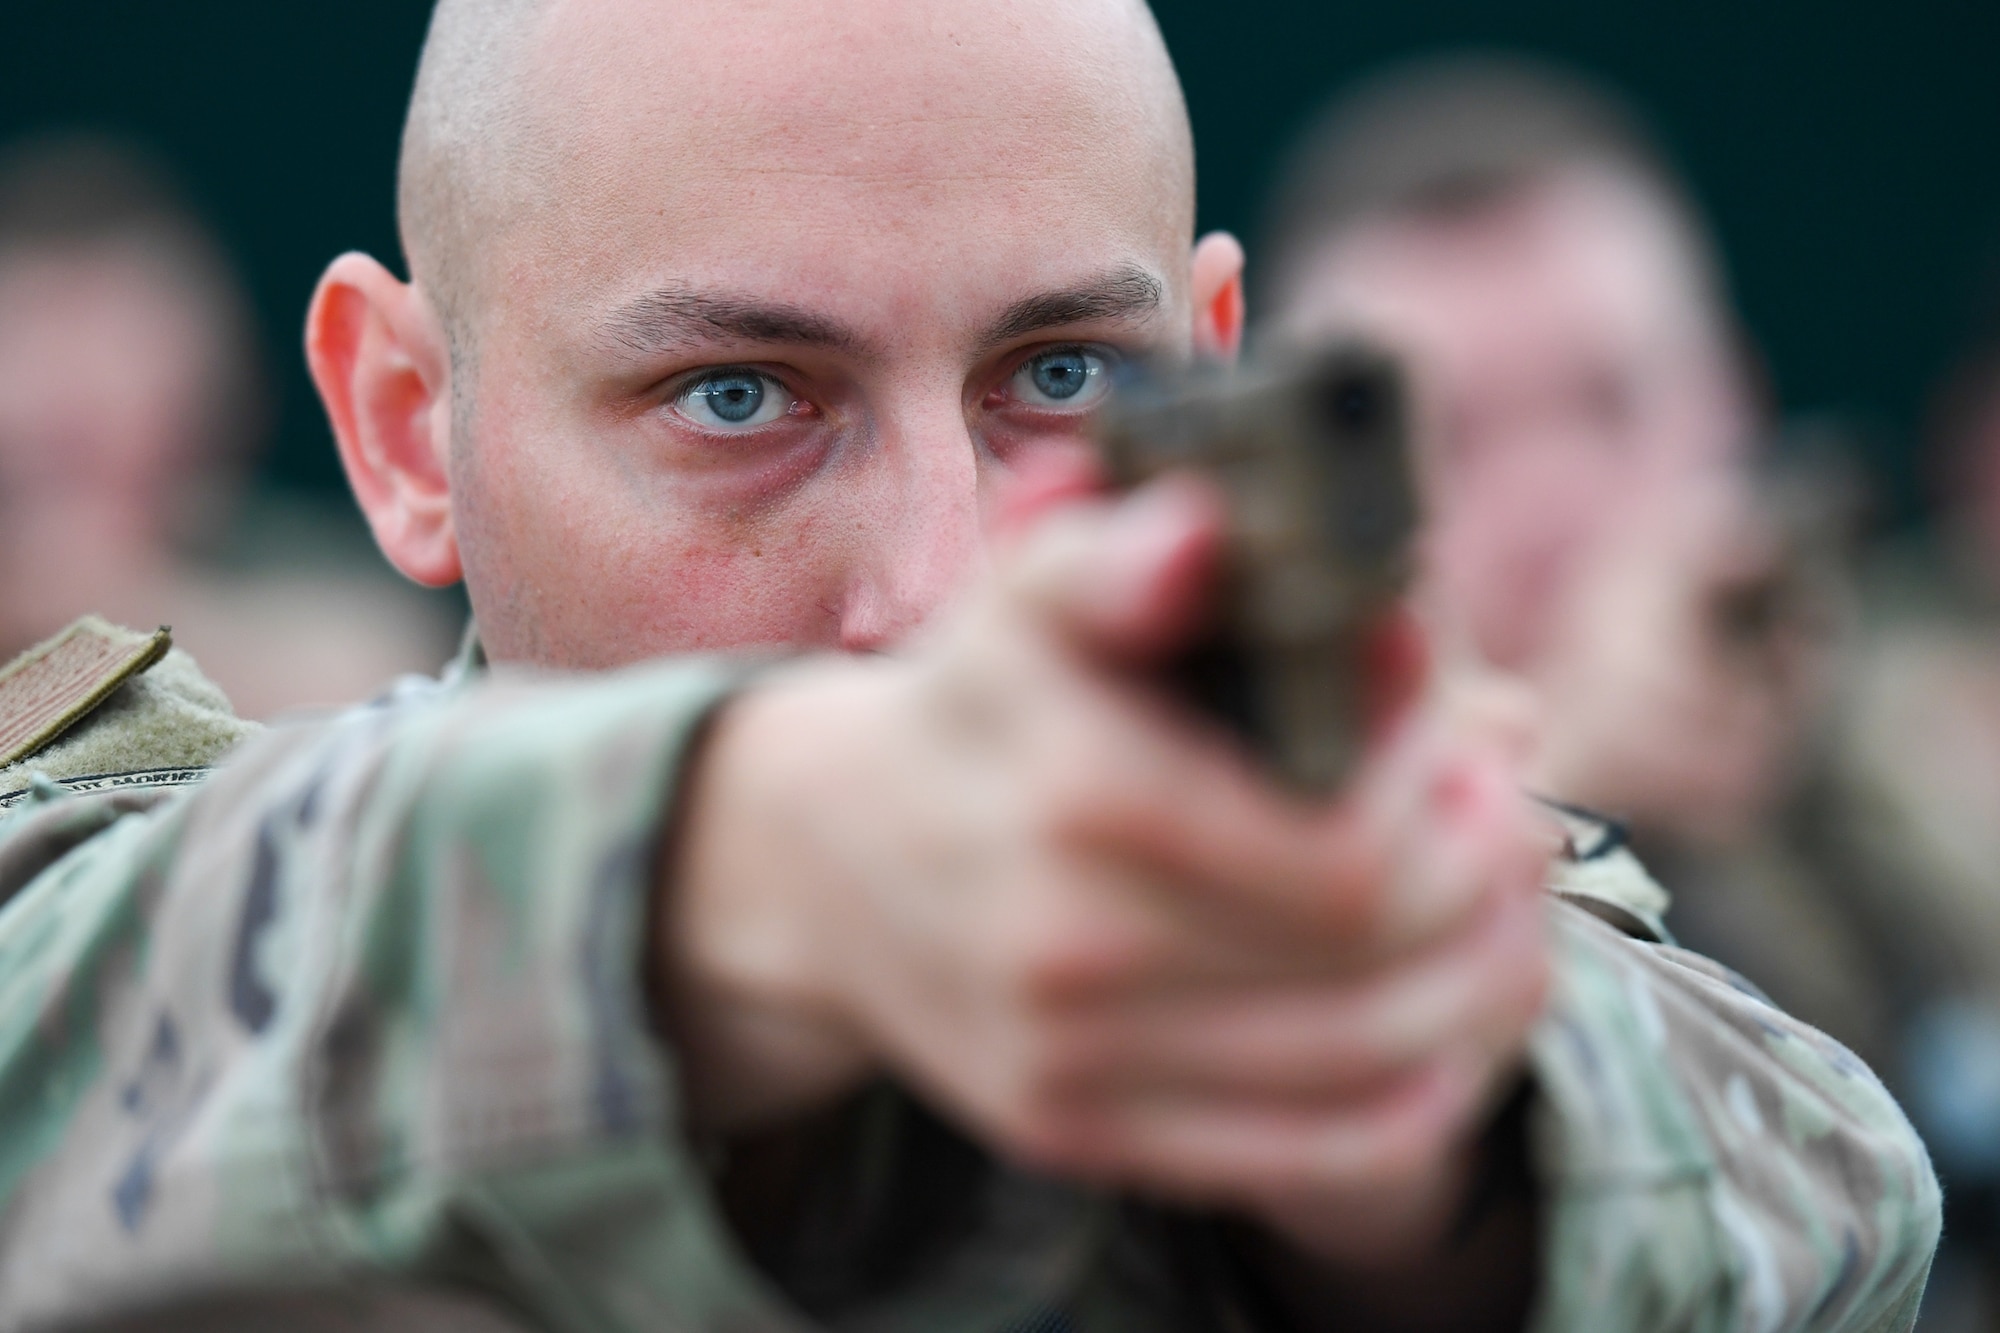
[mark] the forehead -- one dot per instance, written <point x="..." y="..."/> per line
<point x="1581" y="268"/>
<point x="895" y="155"/>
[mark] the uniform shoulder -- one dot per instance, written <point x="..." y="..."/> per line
<point x="1597" y="872"/>
<point x="98" y="700"/>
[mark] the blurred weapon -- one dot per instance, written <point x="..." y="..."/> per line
<point x="1312" y="456"/>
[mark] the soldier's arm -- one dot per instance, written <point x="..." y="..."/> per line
<point x="370" y="1003"/>
<point x="1684" y="1155"/>
<point x="1708" y="1161"/>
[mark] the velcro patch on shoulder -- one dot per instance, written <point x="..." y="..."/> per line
<point x="53" y="686"/>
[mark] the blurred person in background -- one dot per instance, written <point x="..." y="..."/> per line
<point x="1919" y="749"/>
<point x="1588" y="407"/>
<point x="1607" y="522"/>
<point x="131" y="402"/>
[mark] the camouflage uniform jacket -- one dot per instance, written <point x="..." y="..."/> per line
<point x="353" y="1034"/>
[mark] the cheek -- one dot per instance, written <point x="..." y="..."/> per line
<point x="577" y="563"/>
<point x="717" y="585"/>
<point x="618" y="592"/>
<point x="1507" y="549"/>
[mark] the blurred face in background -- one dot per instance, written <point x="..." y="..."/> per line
<point x="108" y="374"/>
<point x="1568" y="362"/>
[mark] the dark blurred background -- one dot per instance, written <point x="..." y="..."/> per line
<point x="1849" y="152"/>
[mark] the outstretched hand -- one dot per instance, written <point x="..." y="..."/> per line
<point x="1006" y="869"/>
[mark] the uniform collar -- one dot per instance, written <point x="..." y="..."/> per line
<point x="469" y="663"/>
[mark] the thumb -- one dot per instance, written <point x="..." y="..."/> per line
<point x="1042" y="479"/>
<point x="1128" y="580"/>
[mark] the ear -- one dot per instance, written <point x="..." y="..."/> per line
<point x="1217" y="289"/>
<point x="380" y="358"/>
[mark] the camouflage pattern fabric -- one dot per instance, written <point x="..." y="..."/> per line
<point x="354" y="1035"/>
<point x="1915" y="847"/>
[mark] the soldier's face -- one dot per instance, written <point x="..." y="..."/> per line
<point x="107" y="365"/>
<point x="1565" y="367"/>
<point x="815" y="280"/>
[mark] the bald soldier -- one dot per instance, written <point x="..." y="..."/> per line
<point x="955" y="981"/>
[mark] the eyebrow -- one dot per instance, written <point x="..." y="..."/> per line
<point x="674" y="317"/>
<point x="1125" y="293"/>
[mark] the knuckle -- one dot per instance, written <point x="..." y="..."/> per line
<point x="1404" y="1154"/>
<point x="1063" y="953"/>
<point x="1060" y="1137"/>
<point x="1049" y="1072"/>
<point x="1359" y="906"/>
<point x="1362" y="1054"/>
<point x="1079" y="786"/>
<point x="1070" y="972"/>
<point x="1369" y="872"/>
<point x="974" y="703"/>
<point x="1359" y="910"/>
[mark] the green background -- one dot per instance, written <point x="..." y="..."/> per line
<point x="1849" y="153"/>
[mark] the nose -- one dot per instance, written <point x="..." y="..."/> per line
<point x="922" y="531"/>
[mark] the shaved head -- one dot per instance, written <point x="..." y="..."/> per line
<point x="727" y="320"/>
<point x="504" y="86"/>
<point x="465" y="115"/>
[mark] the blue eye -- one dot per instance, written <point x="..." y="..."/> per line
<point x="734" y="400"/>
<point x="1066" y="378"/>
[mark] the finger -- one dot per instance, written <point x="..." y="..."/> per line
<point x="1042" y="480"/>
<point x="1409" y="856"/>
<point x="1126" y="581"/>
<point x="1097" y="939"/>
<point x="1500" y="709"/>
<point x="1478" y="838"/>
<point x="1295" y="1038"/>
<point x="1133" y="777"/>
<point x="1151" y="782"/>
<point x="1214" y="1151"/>
<point x="1397" y="666"/>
